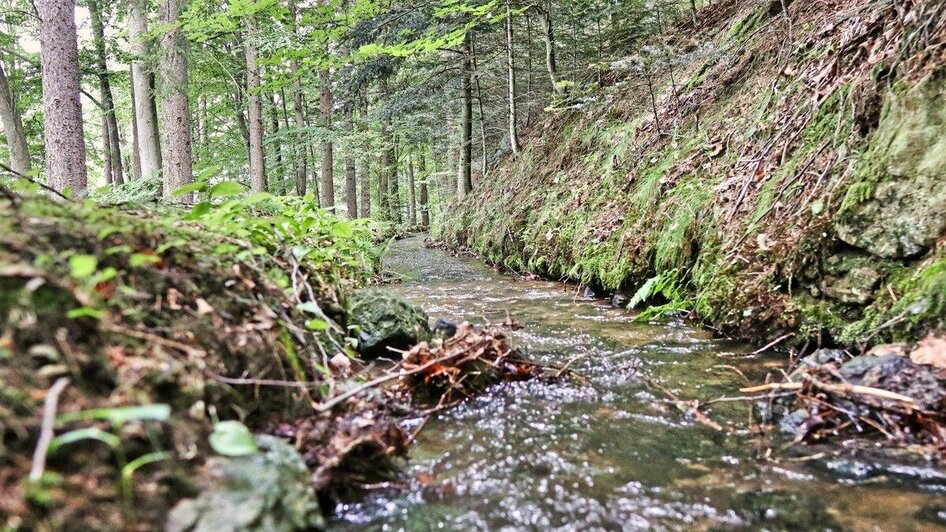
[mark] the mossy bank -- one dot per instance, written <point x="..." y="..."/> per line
<point x="788" y="175"/>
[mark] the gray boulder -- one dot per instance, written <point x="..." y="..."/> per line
<point x="386" y="321"/>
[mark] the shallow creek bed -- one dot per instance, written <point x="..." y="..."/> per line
<point x="611" y="450"/>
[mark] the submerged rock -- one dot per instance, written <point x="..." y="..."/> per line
<point x="269" y="490"/>
<point x="386" y="321"/>
<point x="620" y="300"/>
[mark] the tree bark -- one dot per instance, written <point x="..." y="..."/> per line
<point x="255" y="111"/>
<point x="480" y="108"/>
<point x="106" y="153"/>
<point x="511" y="76"/>
<point x="105" y="86"/>
<point x="135" y="146"/>
<point x="64" y="136"/>
<point x="411" y="193"/>
<point x="149" y="150"/>
<point x="302" y="162"/>
<point x="424" y="196"/>
<point x="326" y="103"/>
<point x="366" y="162"/>
<point x="548" y="35"/>
<point x="394" y="198"/>
<point x="13" y="127"/>
<point x="351" y="179"/>
<point x="465" y="182"/>
<point x="176" y="155"/>
<point x="274" y="120"/>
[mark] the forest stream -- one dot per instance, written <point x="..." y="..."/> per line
<point x="614" y="453"/>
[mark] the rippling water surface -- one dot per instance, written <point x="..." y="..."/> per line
<point x="611" y="453"/>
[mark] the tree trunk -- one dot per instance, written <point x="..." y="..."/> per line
<point x="202" y="121"/>
<point x="385" y="164"/>
<point x="106" y="153"/>
<point x="255" y="112"/>
<point x="176" y="155"/>
<point x="424" y="199"/>
<point x="327" y="180"/>
<point x="465" y="182"/>
<point x="149" y="150"/>
<point x="302" y="162"/>
<point x="64" y="136"/>
<point x="274" y="120"/>
<point x="394" y="198"/>
<point x="511" y="75"/>
<point x="366" y="163"/>
<point x="411" y="193"/>
<point x="105" y="86"/>
<point x="548" y="35"/>
<point x="351" y="183"/>
<point x="240" y="118"/>
<point x="13" y="127"/>
<point x="479" y="105"/>
<point x="135" y="146"/>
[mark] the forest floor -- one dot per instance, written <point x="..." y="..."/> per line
<point x="140" y="351"/>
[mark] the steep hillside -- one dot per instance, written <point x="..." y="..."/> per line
<point x="789" y="176"/>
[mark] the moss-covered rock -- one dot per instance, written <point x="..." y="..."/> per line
<point x="269" y="490"/>
<point x="906" y="168"/>
<point x="385" y="321"/>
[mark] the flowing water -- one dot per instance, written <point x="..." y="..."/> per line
<point x="613" y="453"/>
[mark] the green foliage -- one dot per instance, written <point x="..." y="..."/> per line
<point x="232" y="438"/>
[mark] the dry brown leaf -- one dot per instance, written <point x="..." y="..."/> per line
<point x="930" y="351"/>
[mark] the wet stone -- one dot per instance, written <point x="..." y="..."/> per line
<point x="269" y="490"/>
<point x="386" y="321"/>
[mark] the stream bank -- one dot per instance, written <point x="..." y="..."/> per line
<point x="787" y="179"/>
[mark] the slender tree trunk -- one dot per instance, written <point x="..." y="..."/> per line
<point x="529" y="84"/>
<point x="274" y="120"/>
<point x="135" y="146"/>
<point x="424" y="199"/>
<point x="385" y="163"/>
<point x="149" y="150"/>
<point x="302" y="161"/>
<point x="465" y="184"/>
<point x="301" y="151"/>
<point x="482" y="112"/>
<point x="257" y="161"/>
<point x="351" y="183"/>
<point x="106" y="153"/>
<point x="176" y="156"/>
<point x="326" y="104"/>
<point x="411" y="193"/>
<point x="105" y="86"/>
<point x="511" y="76"/>
<point x="394" y="199"/>
<point x="13" y="127"/>
<point x="202" y="121"/>
<point x="240" y="117"/>
<point x="366" y="162"/>
<point x="548" y="35"/>
<point x="693" y="12"/>
<point x="63" y="133"/>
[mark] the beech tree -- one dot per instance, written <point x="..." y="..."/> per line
<point x="176" y="155"/>
<point x="62" y="130"/>
<point x="145" y="124"/>
<point x="13" y="127"/>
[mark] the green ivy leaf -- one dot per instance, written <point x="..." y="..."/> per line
<point x="232" y="438"/>
<point x="226" y="188"/>
<point x="83" y="266"/>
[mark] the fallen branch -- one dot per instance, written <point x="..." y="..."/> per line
<point x="46" y="428"/>
<point x="840" y="389"/>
